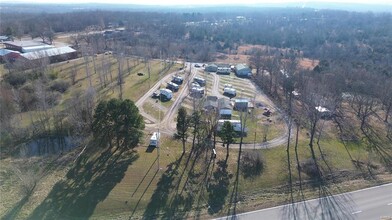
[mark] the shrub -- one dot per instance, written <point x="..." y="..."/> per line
<point x="16" y="79"/>
<point x="52" y="75"/>
<point x="252" y="164"/>
<point x="310" y="168"/>
<point x="28" y="100"/>
<point x="59" y="86"/>
<point x="53" y="98"/>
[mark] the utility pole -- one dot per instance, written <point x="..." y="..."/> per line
<point x="159" y="122"/>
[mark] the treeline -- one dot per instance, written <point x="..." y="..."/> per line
<point x="320" y="34"/>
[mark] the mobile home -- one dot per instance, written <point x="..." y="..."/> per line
<point x="172" y="86"/>
<point x="200" y="80"/>
<point x="229" y="92"/>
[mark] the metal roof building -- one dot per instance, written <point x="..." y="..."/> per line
<point x="25" y="45"/>
<point x="243" y="70"/>
<point x="48" y="53"/>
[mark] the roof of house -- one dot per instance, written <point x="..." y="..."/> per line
<point x="241" y="66"/>
<point x="25" y="43"/>
<point x="210" y="104"/>
<point x="35" y="48"/>
<point x="165" y="90"/>
<point x="47" y="53"/>
<point x="223" y="65"/>
<point x="212" y="65"/>
<point x="225" y="111"/>
<point x="6" y="51"/>
<point x="224" y="103"/>
<point x="241" y="100"/>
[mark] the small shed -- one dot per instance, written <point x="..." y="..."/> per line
<point x="8" y="55"/>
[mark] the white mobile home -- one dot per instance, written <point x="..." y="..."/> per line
<point x="200" y="80"/>
<point x="235" y="123"/>
<point x="229" y="92"/>
<point x="154" y="139"/>
<point x="177" y="80"/>
<point x="223" y="70"/>
<point x="172" y="86"/>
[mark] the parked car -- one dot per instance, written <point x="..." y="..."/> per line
<point x="156" y="94"/>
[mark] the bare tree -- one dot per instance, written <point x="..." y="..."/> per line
<point x="73" y="73"/>
<point x="386" y="98"/>
<point x="256" y="61"/>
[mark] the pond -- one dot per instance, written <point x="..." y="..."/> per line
<point x="48" y="146"/>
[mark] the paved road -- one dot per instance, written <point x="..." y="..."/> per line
<point x="366" y="204"/>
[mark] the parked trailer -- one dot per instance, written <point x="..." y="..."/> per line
<point x="172" y="86"/>
<point x="200" y="80"/>
<point x="177" y="80"/>
<point x="199" y="90"/>
<point x="229" y="92"/>
<point x="166" y="93"/>
<point x="154" y="139"/>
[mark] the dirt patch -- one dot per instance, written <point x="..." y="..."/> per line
<point x="243" y="52"/>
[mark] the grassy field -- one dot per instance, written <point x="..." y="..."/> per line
<point x="152" y="110"/>
<point x="134" y="86"/>
<point x="107" y="185"/>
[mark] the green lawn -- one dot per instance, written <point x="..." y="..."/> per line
<point x="103" y="185"/>
<point x="152" y="110"/>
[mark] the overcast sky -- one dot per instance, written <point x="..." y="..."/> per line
<point x="200" y="2"/>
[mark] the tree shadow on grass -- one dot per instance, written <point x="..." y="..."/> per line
<point x="376" y="145"/>
<point x="331" y="203"/>
<point x="218" y="188"/>
<point x="165" y="185"/>
<point x="11" y="214"/>
<point x="87" y="184"/>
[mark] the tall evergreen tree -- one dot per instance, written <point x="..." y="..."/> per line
<point x="182" y="126"/>
<point x="227" y="135"/>
<point x="118" y="121"/>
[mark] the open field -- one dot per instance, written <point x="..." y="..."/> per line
<point x="242" y="56"/>
<point x="102" y="78"/>
<point x="136" y="189"/>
